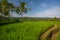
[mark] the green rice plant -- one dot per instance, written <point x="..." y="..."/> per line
<point x="24" y="31"/>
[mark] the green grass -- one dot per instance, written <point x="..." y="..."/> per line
<point x="24" y="30"/>
<point x="58" y="38"/>
<point x="58" y="23"/>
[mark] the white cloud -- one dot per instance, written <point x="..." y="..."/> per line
<point x="52" y="12"/>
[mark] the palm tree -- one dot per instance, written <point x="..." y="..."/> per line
<point x="4" y="8"/>
<point x="0" y="6"/>
<point x="17" y="10"/>
<point x="22" y="8"/>
<point x="11" y="8"/>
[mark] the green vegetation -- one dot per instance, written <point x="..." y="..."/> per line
<point x="6" y="20"/>
<point x="24" y="31"/>
<point x="6" y="8"/>
<point x="22" y="28"/>
<point x="58" y="38"/>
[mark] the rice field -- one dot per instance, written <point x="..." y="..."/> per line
<point x="24" y="30"/>
<point x="58" y="23"/>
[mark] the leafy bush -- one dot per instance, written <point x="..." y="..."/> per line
<point x="8" y="20"/>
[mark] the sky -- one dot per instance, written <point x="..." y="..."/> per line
<point x="40" y="8"/>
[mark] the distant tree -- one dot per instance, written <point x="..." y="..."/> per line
<point x="55" y="18"/>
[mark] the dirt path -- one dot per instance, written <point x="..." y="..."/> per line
<point x="54" y="36"/>
<point x="51" y="34"/>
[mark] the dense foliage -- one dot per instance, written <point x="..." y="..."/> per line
<point x="7" y="8"/>
<point x="7" y="20"/>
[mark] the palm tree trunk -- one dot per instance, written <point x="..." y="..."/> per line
<point x="9" y="15"/>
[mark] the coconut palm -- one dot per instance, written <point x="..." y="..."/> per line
<point x="17" y="10"/>
<point x="0" y="6"/>
<point x="11" y="8"/>
<point x="22" y="8"/>
<point x="4" y="7"/>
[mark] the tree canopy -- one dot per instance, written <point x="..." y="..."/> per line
<point x="6" y="7"/>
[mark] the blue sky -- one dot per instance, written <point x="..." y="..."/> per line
<point x="41" y="8"/>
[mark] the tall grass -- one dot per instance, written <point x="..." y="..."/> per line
<point x="24" y="30"/>
<point x="58" y="23"/>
